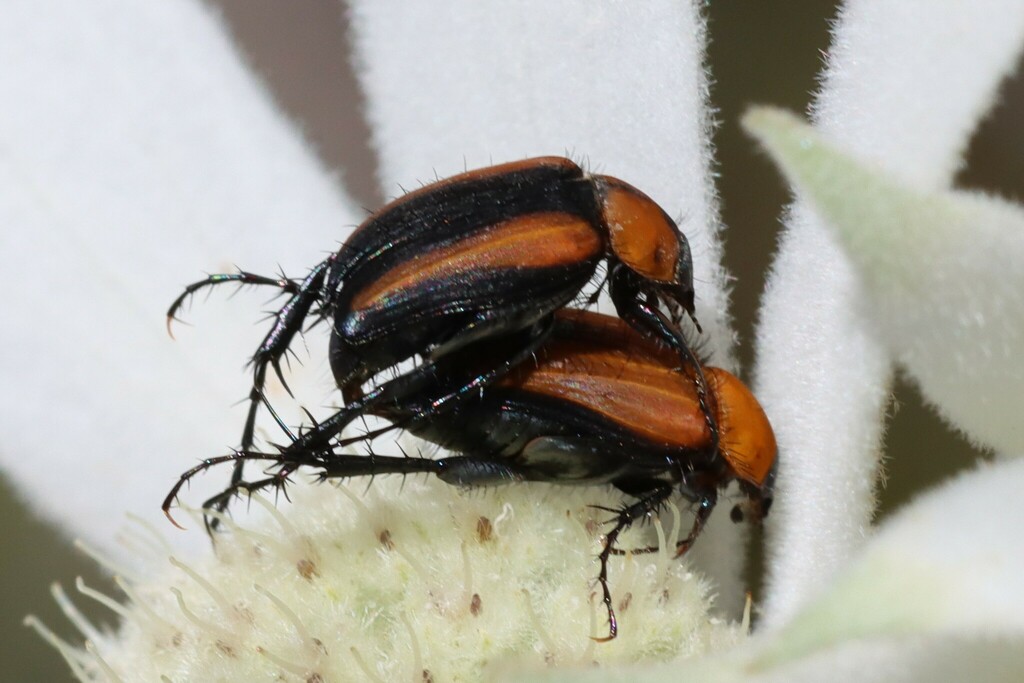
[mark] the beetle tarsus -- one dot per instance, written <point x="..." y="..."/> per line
<point x="242" y="277"/>
<point x="218" y="503"/>
<point x="626" y="515"/>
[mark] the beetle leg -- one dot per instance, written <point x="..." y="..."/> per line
<point x="537" y="336"/>
<point x="414" y="383"/>
<point x="459" y="470"/>
<point x="705" y="506"/>
<point x="641" y="313"/>
<point x="288" y="321"/>
<point x="236" y="458"/>
<point x="647" y="503"/>
<point x="220" y="501"/>
<point x="242" y="277"/>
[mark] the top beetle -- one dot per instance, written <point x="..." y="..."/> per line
<point x="481" y="254"/>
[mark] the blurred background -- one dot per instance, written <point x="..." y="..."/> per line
<point x="761" y="52"/>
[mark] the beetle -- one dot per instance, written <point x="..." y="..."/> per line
<point x="601" y="404"/>
<point x="485" y="253"/>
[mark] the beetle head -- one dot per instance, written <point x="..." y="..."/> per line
<point x="645" y="240"/>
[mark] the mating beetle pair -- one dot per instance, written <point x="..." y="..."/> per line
<point x="480" y="255"/>
<point x="601" y="404"/>
<point x="473" y="274"/>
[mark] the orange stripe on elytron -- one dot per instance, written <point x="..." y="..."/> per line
<point x="535" y="240"/>
<point x="656" y="402"/>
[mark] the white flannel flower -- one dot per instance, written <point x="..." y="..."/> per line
<point x="185" y="158"/>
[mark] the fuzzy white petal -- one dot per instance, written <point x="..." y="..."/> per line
<point x="621" y="87"/>
<point x="136" y="151"/>
<point x="951" y="564"/>
<point x="904" y="85"/>
<point x="911" y="660"/>
<point x="942" y="272"/>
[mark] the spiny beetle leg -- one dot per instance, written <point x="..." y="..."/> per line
<point x="206" y="464"/>
<point x="220" y="501"/>
<point x="538" y="334"/>
<point x="459" y="470"/>
<point x="705" y="506"/>
<point x="647" y="503"/>
<point x="413" y="383"/>
<point x="287" y="322"/>
<point x="242" y="277"/>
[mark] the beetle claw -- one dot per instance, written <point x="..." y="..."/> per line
<point x="167" y="514"/>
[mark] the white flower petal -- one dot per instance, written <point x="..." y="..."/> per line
<point x="907" y="661"/>
<point x="136" y="151"/>
<point x="942" y="272"/>
<point x="621" y="86"/>
<point x="951" y="564"/>
<point x="904" y="85"/>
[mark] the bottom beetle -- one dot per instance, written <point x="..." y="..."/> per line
<point x="602" y="404"/>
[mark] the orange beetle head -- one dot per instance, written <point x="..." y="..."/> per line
<point x="647" y="241"/>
